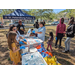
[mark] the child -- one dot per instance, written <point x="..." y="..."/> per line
<point x="14" y="51"/>
<point x="50" y="40"/>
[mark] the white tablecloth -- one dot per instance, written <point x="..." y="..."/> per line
<point x="33" y="59"/>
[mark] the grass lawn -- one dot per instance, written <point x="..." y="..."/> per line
<point x="64" y="59"/>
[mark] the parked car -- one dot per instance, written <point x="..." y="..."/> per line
<point x="1" y="25"/>
<point x="49" y="22"/>
<point x="15" y="23"/>
<point x="55" y="23"/>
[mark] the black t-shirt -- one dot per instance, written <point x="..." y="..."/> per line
<point x="20" y="28"/>
<point x="44" y="22"/>
<point x="36" y="25"/>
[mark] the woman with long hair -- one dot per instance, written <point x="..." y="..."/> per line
<point x="70" y="34"/>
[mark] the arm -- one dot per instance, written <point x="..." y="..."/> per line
<point x="49" y="38"/>
<point x="69" y="22"/>
<point x="70" y="31"/>
<point x="42" y="31"/>
<point x="17" y="27"/>
<point x="57" y="30"/>
<point x="23" y="28"/>
<point x="65" y="28"/>
<point x="38" y="32"/>
<point x="15" y="50"/>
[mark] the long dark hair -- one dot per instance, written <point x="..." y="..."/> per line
<point x="42" y="23"/>
<point x="12" y="27"/>
<point x="51" y="34"/>
<point x="72" y="19"/>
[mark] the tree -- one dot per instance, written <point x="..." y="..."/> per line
<point x="71" y="13"/>
<point x="6" y="11"/>
<point x="41" y="13"/>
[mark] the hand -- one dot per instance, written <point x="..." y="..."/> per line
<point x="21" y="37"/>
<point x="22" y="29"/>
<point x="22" y="47"/>
<point x="25" y="40"/>
<point x="33" y="31"/>
<point x="20" y="42"/>
<point x="56" y="38"/>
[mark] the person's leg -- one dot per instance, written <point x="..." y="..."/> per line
<point x="61" y="36"/>
<point x="60" y="42"/>
<point x="66" y="44"/>
<point x="14" y="63"/>
<point x="51" y="47"/>
<point x="47" y="46"/>
<point x="68" y="47"/>
<point x="56" y="41"/>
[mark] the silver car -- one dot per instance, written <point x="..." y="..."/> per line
<point x="55" y="23"/>
<point x="1" y="25"/>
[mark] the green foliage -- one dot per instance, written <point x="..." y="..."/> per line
<point x="71" y="13"/>
<point x="41" y="13"/>
<point x="6" y="11"/>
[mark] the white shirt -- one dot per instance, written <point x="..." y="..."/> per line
<point x="42" y="35"/>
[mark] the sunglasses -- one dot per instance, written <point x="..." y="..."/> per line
<point x="14" y="29"/>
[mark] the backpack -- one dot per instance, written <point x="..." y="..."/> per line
<point x="74" y="28"/>
<point x="70" y="31"/>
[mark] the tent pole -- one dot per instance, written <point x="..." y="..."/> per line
<point x="4" y="26"/>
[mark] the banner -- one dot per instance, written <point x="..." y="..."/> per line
<point x="18" y="17"/>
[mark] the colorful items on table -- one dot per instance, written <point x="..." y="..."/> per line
<point x="49" y="53"/>
<point x="37" y="41"/>
<point x="48" y="56"/>
<point x="43" y="51"/>
<point x="23" y="42"/>
<point x="22" y="47"/>
<point x="38" y="47"/>
<point x="44" y="54"/>
<point x="42" y="45"/>
<point x="51" y="61"/>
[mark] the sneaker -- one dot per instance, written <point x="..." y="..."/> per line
<point x="47" y="49"/>
<point x="60" y="47"/>
<point x="68" y="50"/>
<point x="65" y="51"/>
<point x="55" y="46"/>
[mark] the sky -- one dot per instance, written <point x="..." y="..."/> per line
<point x="58" y="10"/>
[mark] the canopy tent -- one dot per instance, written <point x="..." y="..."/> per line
<point x="18" y="14"/>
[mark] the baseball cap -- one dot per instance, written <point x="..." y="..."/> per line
<point x="20" y="21"/>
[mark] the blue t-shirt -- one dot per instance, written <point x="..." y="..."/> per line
<point x="42" y="35"/>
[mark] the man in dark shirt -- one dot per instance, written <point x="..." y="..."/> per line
<point x="20" y="27"/>
<point x="44" y="22"/>
<point x="36" y="25"/>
